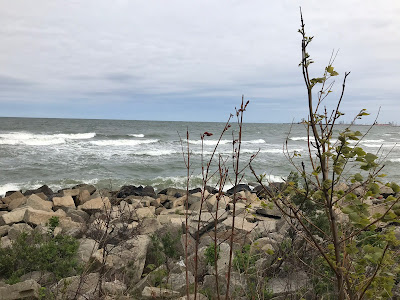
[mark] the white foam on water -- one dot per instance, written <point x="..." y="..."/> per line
<point x="373" y="141"/>
<point x="224" y="142"/>
<point x="123" y="142"/>
<point x="210" y="142"/>
<point x="30" y="139"/>
<point x="258" y="141"/>
<point x="299" y="138"/>
<point x="8" y="187"/>
<point x="156" y="152"/>
<point x="138" y="135"/>
<point x="394" y="159"/>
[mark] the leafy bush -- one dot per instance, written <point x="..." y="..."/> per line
<point x="210" y="254"/>
<point x="39" y="252"/>
<point x="243" y="260"/>
<point x="164" y="247"/>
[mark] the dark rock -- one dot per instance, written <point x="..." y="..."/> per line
<point x="209" y="189"/>
<point x="177" y="193"/>
<point x="90" y="188"/>
<point x="131" y="190"/>
<point x="261" y="193"/>
<point x="277" y="186"/>
<point x="9" y="193"/>
<point x="239" y="188"/>
<point x="194" y="191"/>
<point x="43" y="189"/>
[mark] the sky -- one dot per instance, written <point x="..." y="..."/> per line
<point x="180" y="60"/>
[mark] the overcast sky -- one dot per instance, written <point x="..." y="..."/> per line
<point x="192" y="60"/>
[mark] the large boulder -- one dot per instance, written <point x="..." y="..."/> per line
<point x="11" y="197"/>
<point x="89" y="187"/>
<point x="131" y="190"/>
<point x="17" y="229"/>
<point x="64" y="202"/>
<point x="158" y="293"/>
<point x="239" y="188"/>
<point x="35" y="202"/>
<point x="177" y="281"/>
<point x="177" y="193"/>
<point x="15" y="216"/>
<point x="15" y="203"/>
<point x="28" y="290"/>
<point x="95" y="205"/>
<point x="85" y="286"/>
<point x="86" y="249"/>
<point x="39" y="217"/>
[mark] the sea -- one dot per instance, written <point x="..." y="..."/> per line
<point x="111" y="153"/>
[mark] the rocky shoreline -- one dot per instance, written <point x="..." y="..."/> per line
<point x="118" y="232"/>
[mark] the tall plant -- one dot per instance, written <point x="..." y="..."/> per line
<point x="358" y="245"/>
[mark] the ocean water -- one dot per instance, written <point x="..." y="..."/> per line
<point x="111" y="153"/>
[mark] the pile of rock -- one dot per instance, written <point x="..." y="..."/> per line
<point x="114" y="229"/>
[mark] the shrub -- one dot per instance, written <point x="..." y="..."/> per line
<point x="39" y="252"/>
<point x="210" y="254"/>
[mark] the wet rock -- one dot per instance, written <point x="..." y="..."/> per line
<point x="128" y="190"/>
<point x="238" y="188"/>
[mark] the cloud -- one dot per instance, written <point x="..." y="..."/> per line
<point x="177" y="51"/>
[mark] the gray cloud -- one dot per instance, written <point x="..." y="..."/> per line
<point x="178" y="49"/>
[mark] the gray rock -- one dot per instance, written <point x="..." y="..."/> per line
<point x="4" y="230"/>
<point x="5" y="242"/>
<point x="114" y="288"/>
<point x="85" y="285"/>
<point x="149" y="226"/>
<point x="158" y="293"/>
<point x="287" y="285"/>
<point x="28" y="289"/>
<point x="191" y="297"/>
<point x="177" y="282"/>
<point x="17" y="229"/>
<point x="86" y="249"/>
<point x="41" y="277"/>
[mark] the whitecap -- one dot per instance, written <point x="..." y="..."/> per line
<point x="299" y="138"/>
<point x="8" y="187"/>
<point x="156" y="152"/>
<point x="123" y="142"/>
<point x="138" y="135"/>
<point x="25" y="138"/>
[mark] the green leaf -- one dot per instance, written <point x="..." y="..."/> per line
<point x="369" y="157"/>
<point x="358" y="177"/>
<point x="395" y="187"/>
